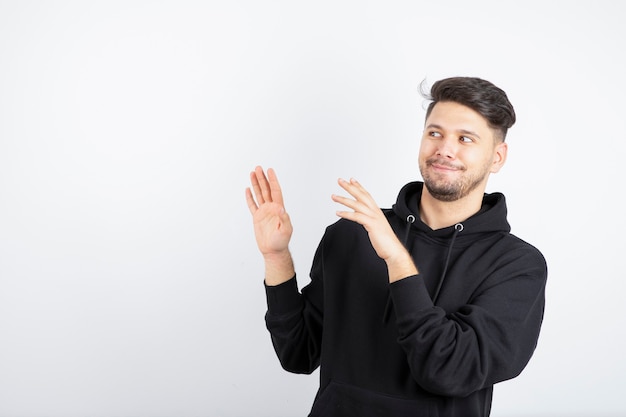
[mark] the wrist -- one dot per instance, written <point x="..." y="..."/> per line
<point x="400" y="267"/>
<point x="278" y="267"/>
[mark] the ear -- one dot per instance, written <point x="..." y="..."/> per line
<point x="499" y="156"/>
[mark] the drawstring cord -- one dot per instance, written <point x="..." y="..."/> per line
<point x="410" y="219"/>
<point x="458" y="228"/>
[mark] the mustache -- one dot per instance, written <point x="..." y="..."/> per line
<point x="444" y="163"/>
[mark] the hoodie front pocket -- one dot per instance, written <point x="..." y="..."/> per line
<point x="343" y="400"/>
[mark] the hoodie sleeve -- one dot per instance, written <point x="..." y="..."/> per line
<point x="488" y="340"/>
<point x="294" y="321"/>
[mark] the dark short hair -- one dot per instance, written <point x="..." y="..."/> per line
<point x="479" y="95"/>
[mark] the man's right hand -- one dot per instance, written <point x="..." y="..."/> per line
<point x="272" y="226"/>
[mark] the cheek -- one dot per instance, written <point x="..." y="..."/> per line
<point x="489" y="164"/>
<point x="426" y="149"/>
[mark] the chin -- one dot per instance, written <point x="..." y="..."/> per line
<point x="443" y="193"/>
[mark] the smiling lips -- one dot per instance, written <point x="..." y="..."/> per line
<point x="439" y="164"/>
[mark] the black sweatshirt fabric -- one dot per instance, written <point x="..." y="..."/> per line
<point x="433" y="344"/>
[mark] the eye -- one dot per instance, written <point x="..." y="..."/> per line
<point x="466" y="139"/>
<point x="434" y="134"/>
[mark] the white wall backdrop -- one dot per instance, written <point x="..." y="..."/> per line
<point x="130" y="283"/>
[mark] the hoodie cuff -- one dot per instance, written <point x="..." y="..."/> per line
<point x="410" y="295"/>
<point x="283" y="298"/>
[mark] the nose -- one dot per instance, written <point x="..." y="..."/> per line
<point x="446" y="147"/>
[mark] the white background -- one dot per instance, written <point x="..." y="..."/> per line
<point x="130" y="283"/>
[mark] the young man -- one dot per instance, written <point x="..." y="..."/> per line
<point x="420" y="309"/>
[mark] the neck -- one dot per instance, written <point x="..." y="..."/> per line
<point x="438" y="214"/>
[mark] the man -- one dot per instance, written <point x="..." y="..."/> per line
<point x="420" y="309"/>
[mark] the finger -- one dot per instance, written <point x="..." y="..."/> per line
<point x="263" y="184"/>
<point x="256" y="187"/>
<point x="250" y="200"/>
<point x="348" y="202"/>
<point x="357" y="191"/>
<point x="360" y="189"/>
<point x="276" y="191"/>
<point x="353" y="187"/>
<point x="352" y="216"/>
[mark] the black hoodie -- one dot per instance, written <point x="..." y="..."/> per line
<point x="432" y="344"/>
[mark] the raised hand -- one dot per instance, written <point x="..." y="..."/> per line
<point x="382" y="237"/>
<point x="272" y="226"/>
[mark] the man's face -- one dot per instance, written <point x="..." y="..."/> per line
<point x="458" y="152"/>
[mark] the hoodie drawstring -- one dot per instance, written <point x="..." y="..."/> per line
<point x="458" y="228"/>
<point x="410" y="219"/>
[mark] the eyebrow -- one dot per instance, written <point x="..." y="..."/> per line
<point x="462" y="131"/>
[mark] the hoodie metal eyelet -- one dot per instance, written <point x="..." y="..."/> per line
<point x="458" y="227"/>
<point x="410" y="218"/>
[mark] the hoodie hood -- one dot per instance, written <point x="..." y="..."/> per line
<point x="491" y="217"/>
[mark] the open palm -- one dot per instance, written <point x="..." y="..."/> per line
<point x="272" y="226"/>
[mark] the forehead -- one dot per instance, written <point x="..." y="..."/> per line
<point x="455" y="116"/>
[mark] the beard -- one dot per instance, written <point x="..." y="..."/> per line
<point x="444" y="189"/>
